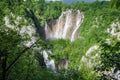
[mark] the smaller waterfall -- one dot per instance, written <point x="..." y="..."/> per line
<point x="49" y="62"/>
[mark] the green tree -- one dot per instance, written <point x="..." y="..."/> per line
<point x="110" y="56"/>
<point x="115" y="3"/>
<point x="9" y="40"/>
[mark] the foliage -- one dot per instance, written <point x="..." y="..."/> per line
<point x="61" y="49"/>
<point x="98" y="17"/>
<point x="110" y="54"/>
<point x="88" y="72"/>
<point x="115" y="3"/>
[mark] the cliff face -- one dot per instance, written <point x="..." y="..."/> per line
<point x="65" y="27"/>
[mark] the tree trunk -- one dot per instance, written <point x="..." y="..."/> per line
<point x="4" y="62"/>
<point x="33" y="17"/>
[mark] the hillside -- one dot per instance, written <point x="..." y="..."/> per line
<point x="54" y="41"/>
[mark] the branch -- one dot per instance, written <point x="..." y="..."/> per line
<point x="20" y="54"/>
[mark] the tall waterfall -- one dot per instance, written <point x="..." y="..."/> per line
<point x="66" y="27"/>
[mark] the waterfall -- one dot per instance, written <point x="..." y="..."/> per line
<point x="49" y="62"/>
<point x="58" y="32"/>
<point x="78" y="23"/>
<point x="65" y="27"/>
<point x="67" y="23"/>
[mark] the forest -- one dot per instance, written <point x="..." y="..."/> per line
<point x="42" y="40"/>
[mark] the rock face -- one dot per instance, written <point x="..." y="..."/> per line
<point x="66" y="27"/>
<point x="114" y="29"/>
<point x="91" y="59"/>
<point x="24" y="29"/>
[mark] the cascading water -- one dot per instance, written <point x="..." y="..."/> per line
<point x="66" y="27"/>
<point x="49" y="63"/>
<point x="78" y="23"/>
<point x="67" y="23"/>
